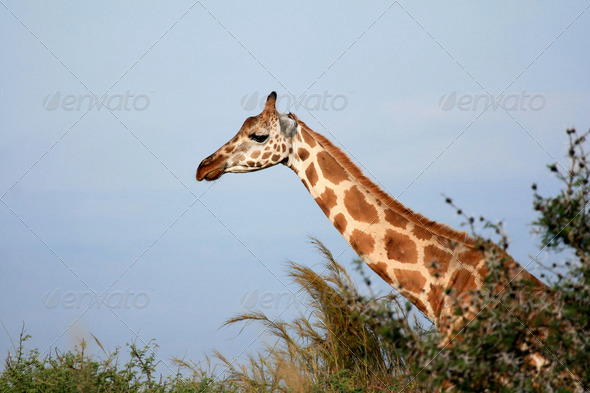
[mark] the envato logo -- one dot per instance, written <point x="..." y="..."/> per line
<point x="110" y="299"/>
<point x="88" y="101"/>
<point x="474" y="102"/>
<point x="269" y="300"/>
<point x="325" y="101"/>
<point x="285" y="299"/>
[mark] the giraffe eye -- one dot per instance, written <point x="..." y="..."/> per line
<point x="259" y="138"/>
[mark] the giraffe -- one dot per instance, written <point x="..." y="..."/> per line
<point x="427" y="262"/>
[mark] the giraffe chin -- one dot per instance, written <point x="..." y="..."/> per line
<point x="211" y="175"/>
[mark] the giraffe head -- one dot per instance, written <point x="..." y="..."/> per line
<point x="263" y="141"/>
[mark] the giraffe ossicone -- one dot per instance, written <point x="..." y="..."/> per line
<point x="429" y="263"/>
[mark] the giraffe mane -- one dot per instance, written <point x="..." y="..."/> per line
<point x="434" y="227"/>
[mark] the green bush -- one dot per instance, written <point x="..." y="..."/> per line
<point x="77" y="371"/>
<point x="494" y="352"/>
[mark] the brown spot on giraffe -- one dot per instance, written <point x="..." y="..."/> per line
<point x="395" y="219"/>
<point x="329" y="198"/>
<point x="311" y="174"/>
<point x="357" y="206"/>
<point x="462" y="283"/>
<point x="470" y="257"/>
<point x="302" y="153"/>
<point x="417" y="302"/>
<point x="421" y="233"/>
<point x="436" y="299"/>
<point x="283" y="148"/>
<point x="362" y="243"/>
<point x="229" y="149"/>
<point x="305" y="184"/>
<point x="308" y="138"/>
<point x="322" y="206"/>
<point x="410" y="280"/>
<point x="275" y="157"/>
<point x="250" y="163"/>
<point x="462" y="280"/>
<point x="381" y="269"/>
<point x="255" y="154"/>
<point x="436" y="259"/>
<point x="340" y="222"/>
<point x="332" y="170"/>
<point x="266" y="155"/>
<point x="400" y="247"/>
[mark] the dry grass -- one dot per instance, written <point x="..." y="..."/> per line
<point x="333" y="347"/>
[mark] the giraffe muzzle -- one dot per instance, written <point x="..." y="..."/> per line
<point x="210" y="169"/>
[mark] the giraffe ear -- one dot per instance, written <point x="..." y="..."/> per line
<point x="288" y="125"/>
<point x="270" y="101"/>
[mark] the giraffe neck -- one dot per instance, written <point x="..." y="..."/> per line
<point x="414" y="255"/>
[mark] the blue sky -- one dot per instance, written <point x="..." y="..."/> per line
<point x="106" y="200"/>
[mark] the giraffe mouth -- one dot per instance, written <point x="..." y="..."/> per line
<point x="209" y="171"/>
<point x="213" y="175"/>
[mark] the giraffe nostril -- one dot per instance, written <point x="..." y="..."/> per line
<point x="207" y="160"/>
<point x="211" y="159"/>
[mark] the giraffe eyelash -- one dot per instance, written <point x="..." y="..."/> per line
<point x="259" y="138"/>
